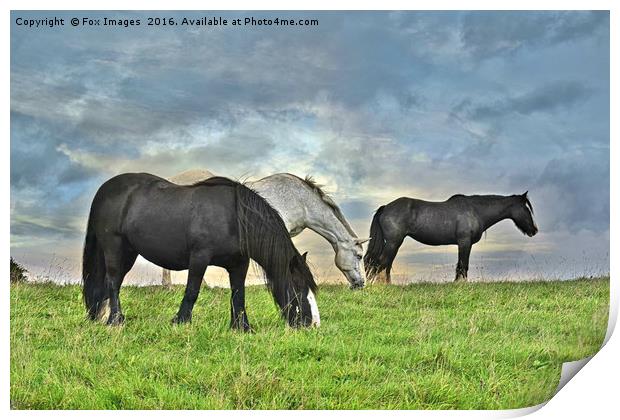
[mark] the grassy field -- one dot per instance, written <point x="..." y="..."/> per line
<point x="425" y="346"/>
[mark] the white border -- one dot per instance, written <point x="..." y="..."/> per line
<point x="592" y="393"/>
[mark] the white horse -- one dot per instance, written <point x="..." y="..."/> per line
<point x="301" y="204"/>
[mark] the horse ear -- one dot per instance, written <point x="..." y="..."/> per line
<point x="525" y="194"/>
<point x="297" y="261"/>
<point x="360" y="241"/>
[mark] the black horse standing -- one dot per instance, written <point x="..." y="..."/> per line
<point x="460" y="220"/>
<point x="214" y="222"/>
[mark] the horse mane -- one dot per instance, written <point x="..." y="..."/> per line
<point x="477" y="198"/>
<point x="310" y="182"/>
<point x="264" y="238"/>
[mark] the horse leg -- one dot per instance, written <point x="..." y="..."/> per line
<point x="238" y="316"/>
<point x="463" y="264"/>
<point x="389" y="254"/>
<point x="119" y="258"/>
<point x="192" y="289"/>
<point x="166" y="278"/>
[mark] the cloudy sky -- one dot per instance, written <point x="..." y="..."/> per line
<point x="374" y="105"/>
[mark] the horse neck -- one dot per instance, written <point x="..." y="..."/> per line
<point x="310" y="211"/>
<point x="322" y="220"/>
<point x="494" y="210"/>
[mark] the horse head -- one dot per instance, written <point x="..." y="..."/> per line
<point x="301" y="309"/>
<point x="522" y="214"/>
<point x="348" y="259"/>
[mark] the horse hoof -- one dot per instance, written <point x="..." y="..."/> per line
<point x="182" y="319"/>
<point x="116" y="319"/>
<point x="246" y="328"/>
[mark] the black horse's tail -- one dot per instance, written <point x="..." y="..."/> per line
<point x="372" y="258"/>
<point x="94" y="291"/>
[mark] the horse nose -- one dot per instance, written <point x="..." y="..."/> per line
<point x="357" y="285"/>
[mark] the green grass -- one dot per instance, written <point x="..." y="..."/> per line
<point x="425" y="346"/>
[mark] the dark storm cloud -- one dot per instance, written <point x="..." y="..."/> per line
<point x="133" y="86"/>
<point x="34" y="158"/>
<point x="489" y="34"/>
<point x="577" y="191"/>
<point x="546" y="98"/>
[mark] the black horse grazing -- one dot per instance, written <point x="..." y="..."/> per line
<point x="460" y="220"/>
<point x="214" y="222"/>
